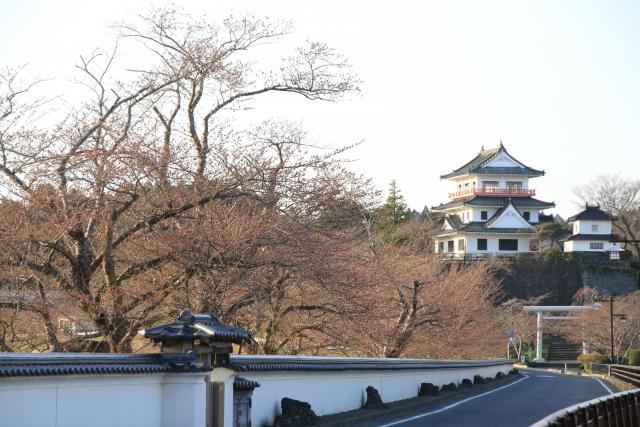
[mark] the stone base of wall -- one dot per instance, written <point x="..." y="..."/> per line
<point x="559" y="282"/>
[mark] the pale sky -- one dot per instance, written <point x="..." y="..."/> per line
<point x="556" y="81"/>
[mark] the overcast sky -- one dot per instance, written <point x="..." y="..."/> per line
<point x="556" y="81"/>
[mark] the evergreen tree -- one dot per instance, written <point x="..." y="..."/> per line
<point x="393" y="211"/>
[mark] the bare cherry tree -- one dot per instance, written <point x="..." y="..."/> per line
<point x="140" y="163"/>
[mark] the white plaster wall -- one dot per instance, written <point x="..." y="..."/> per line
<point x="510" y="218"/>
<point x="584" y="245"/>
<point x="492" y="244"/>
<point x="476" y="213"/>
<point x="584" y="227"/>
<point x="445" y="240"/>
<point x="503" y="160"/>
<point x="333" y="392"/>
<point x="491" y="211"/>
<point x="502" y="180"/>
<point x="101" y="401"/>
<point x="471" y="244"/>
<point x="568" y="246"/>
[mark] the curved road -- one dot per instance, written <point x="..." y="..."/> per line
<point x="520" y="403"/>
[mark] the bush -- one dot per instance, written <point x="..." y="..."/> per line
<point x="553" y="254"/>
<point x="592" y="358"/>
<point x="576" y="257"/>
<point x="634" y="357"/>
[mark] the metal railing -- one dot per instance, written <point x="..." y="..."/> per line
<point x="628" y="374"/>
<point x="620" y="409"/>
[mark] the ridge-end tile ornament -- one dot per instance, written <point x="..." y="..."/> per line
<point x="201" y="333"/>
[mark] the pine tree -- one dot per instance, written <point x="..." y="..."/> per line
<point x="394" y="210"/>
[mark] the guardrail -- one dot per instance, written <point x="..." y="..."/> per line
<point x="629" y="374"/>
<point x="620" y="409"/>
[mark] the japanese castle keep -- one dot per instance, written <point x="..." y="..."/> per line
<point x="492" y="209"/>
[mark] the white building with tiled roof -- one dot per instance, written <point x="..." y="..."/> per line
<point x="592" y="231"/>
<point x="491" y="209"/>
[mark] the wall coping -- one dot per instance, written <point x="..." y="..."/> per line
<point x="259" y="363"/>
<point x="51" y="364"/>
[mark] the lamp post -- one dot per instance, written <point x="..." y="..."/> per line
<point x="611" y="316"/>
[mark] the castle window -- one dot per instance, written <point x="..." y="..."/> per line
<point x="514" y="186"/>
<point x="508" y="244"/>
<point x="450" y="246"/>
<point x="461" y="245"/>
<point x="482" y="244"/>
<point x="596" y="245"/>
<point x="594" y="228"/>
<point x="490" y="185"/>
<point x="440" y="247"/>
<point x="483" y="215"/>
<point x="527" y="215"/>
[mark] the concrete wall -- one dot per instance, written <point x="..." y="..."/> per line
<point x="334" y="392"/>
<point x="147" y="400"/>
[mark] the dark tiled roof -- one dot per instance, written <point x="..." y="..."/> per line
<point x="311" y="363"/>
<point x="51" y="364"/>
<point x="603" y="237"/>
<point x="592" y="213"/>
<point x="479" y="227"/>
<point x="476" y="165"/>
<point x="495" y="202"/>
<point x="454" y="221"/>
<point x="192" y="326"/>
<point x="495" y="170"/>
<point x="452" y="204"/>
<point x="240" y="383"/>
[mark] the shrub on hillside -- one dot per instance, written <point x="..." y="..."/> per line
<point x="553" y="254"/>
<point x="592" y="358"/>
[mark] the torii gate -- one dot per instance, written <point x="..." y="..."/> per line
<point x="553" y="309"/>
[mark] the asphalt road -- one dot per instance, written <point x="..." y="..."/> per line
<point x="521" y="403"/>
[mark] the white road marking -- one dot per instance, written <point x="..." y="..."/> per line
<point x="603" y="385"/>
<point x="544" y="376"/>
<point x="453" y="405"/>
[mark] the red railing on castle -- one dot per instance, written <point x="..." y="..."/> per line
<point x="513" y="192"/>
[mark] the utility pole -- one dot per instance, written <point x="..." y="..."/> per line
<point x="611" y="319"/>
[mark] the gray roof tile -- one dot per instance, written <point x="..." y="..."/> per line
<point x="592" y="213"/>
<point x="476" y="166"/>
<point x="192" y="326"/>
<point x="495" y="202"/>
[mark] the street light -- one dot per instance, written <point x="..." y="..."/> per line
<point x="622" y="317"/>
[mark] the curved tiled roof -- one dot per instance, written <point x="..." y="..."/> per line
<point x="240" y="383"/>
<point x="314" y="363"/>
<point x="495" y="202"/>
<point x="603" y="237"/>
<point x="592" y="213"/>
<point x="53" y="364"/>
<point x="476" y="165"/>
<point x="192" y="326"/>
